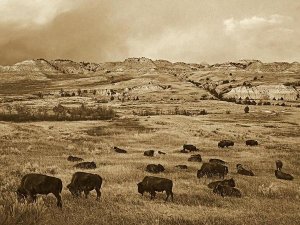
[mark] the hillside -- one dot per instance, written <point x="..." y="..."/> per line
<point x="149" y="79"/>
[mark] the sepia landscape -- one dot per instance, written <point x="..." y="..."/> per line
<point x="134" y="118"/>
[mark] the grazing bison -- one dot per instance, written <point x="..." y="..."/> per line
<point x="191" y="148"/>
<point x="251" y="142"/>
<point x="279" y="165"/>
<point x="119" y="150"/>
<point x="283" y="176"/>
<point x="33" y="184"/>
<point x="225" y="190"/>
<point x="152" y="168"/>
<point x="183" y="167"/>
<point x="212" y="169"/>
<point x="225" y="143"/>
<point x="218" y="161"/>
<point x="152" y="184"/>
<point x="161" y="153"/>
<point x="241" y="170"/>
<point x="85" y="182"/>
<point x="74" y="158"/>
<point x="195" y="158"/>
<point x="86" y="165"/>
<point x="149" y="153"/>
<point x="228" y="182"/>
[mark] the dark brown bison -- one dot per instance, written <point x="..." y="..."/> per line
<point x="219" y="161"/>
<point x="251" y="142"/>
<point x="225" y="143"/>
<point x="183" y="167"/>
<point x="149" y="153"/>
<point x="85" y="182"/>
<point x="33" y="184"/>
<point x="152" y="168"/>
<point x="241" y="170"/>
<point x="86" y="165"/>
<point x="74" y="158"/>
<point x="119" y="150"/>
<point x="191" y="148"/>
<point x="283" y="176"/>
<point x="161" y="153"/>
<point x="195" y="158"/>
<point x="152" y="184"/>
<point x="225" y="190"/>
<point x="228" y="182"/>
<point x="279" y="164"/>
<point x="212" y="169"/>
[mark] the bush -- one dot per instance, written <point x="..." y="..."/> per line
<point x="12" y="212"/>
<point x="246" y="109"/>
<point x="21" y="113"/>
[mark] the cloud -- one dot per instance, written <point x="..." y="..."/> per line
<point x="25" y="13"/>
<point x="255" y="22"/>
<point x="111" y="30"/>
<point x="271" y="37"/>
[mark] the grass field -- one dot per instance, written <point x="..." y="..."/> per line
<point x="44" y="146"/>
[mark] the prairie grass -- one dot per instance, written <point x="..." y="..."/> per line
<point x="25" y="148"/>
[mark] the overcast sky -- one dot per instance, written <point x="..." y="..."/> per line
<point x="177" y="30"/>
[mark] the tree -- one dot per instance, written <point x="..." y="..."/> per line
<point x="246" y="109"/>
<point x="59" y="110"/>
<point x="79" y="92"/>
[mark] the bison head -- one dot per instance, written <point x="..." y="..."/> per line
<point x="200" y="173"/>
<point x="231" y="182"/>
<point x="141" y="189"/>
<point x="21" y="195"/>
<point x="73" y="190"/>
<point x="239" y="166"/>
<point x="218" y="190"/>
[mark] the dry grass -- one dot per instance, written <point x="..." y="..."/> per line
<point x="44" y="146"/>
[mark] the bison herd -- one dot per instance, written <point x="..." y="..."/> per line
<point x="33" y="184"/>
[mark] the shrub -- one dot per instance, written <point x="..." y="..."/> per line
<point x="246" y="109"/>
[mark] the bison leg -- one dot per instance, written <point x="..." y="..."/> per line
<point x="152" y="194"/>
<point x="168" y="194"/>
<point x="98" y="193"/>
<point x="58" y="197"/>
<point x="86" y="193"/>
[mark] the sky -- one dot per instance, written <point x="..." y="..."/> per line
<point x="192" y="31"/>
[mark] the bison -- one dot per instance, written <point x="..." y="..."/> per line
<point x="183" y="167"/>
<point x="119" y="150"/>
<point x="218" y="161"/>
<point x="152" y="184"/>
<point x="161" y="153"/>
<point x="85" y="182"/>
<point x="74" y="158"/>
<point x="241" y="170"/>
<point x="279" y="164"/>
<point x="191" y="148"/>
<point x="225" y="190"/>
<point x="228" y="182"/>
<point x="212" y="169"/>
<point x="251" y="142"/>
<point x="283" y="176"/>
<point x="225" y="143"/>
<point x="195" y="158"/>
<point x="86" y="165"/>
<point x="152" y="168"/>
<point x="33" y="184"/>
<point x="149" y="153"/>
